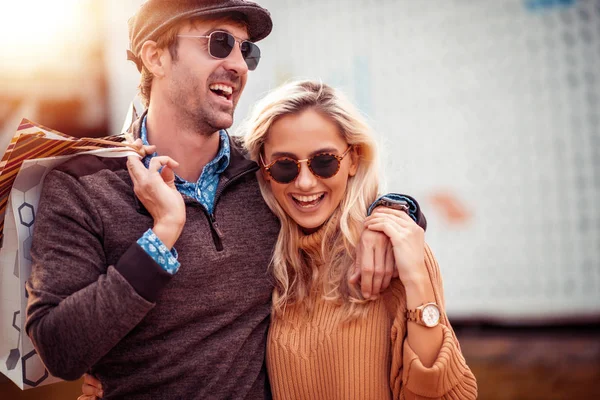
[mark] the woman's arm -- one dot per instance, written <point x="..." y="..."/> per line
<point x="426" y="362"/>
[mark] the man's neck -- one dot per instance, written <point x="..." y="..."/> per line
<point x="190" y="148"/>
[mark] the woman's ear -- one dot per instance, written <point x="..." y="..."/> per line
<point x="153" y="58"/>
<point x="265" y="174"/>
<point x="354" y="160"/>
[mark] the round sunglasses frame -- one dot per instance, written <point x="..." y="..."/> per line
<point x="339" y="159"/>
<point x="237" y="40"/>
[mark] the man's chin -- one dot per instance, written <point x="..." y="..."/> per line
<point x="222" y="120"/>
<point x="224" y="123"/>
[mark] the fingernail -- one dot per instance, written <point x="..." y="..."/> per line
<point x="367" y="295"/>
<point x="101" y="394"/>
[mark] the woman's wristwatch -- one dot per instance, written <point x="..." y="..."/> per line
<point x="427" y="315"/>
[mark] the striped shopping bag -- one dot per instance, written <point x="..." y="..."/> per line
<point x="32" y="153"/>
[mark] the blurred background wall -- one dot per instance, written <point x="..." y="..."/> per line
<point x="488" y="112"/>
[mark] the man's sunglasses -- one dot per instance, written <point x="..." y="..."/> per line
<point x="322" y="165"/>
<point x="220" y="46"/>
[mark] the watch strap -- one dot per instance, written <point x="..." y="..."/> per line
<point x="414" y="210"/>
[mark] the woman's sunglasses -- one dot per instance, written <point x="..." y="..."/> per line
<point x="322" y="165"/>
<point x="220" y="46"/>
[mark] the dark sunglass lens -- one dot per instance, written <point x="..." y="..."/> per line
<point x="284" y="171"/>
<point x="324" y="165"/>
<point x="221" y="44"/>
<point x="251" y="54"/>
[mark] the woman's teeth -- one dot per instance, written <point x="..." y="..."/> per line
<point x="308" y="201"/>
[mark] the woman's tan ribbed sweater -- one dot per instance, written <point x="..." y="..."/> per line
<point x="312" y="356"/>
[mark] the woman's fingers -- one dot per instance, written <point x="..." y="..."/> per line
<point x="91" y="387"/>
<point x="90" y="380"/>
<point x="91" y="391"/>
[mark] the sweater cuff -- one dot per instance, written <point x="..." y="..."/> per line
<point x="447" y="371"/>
<point x="142" y="272"/>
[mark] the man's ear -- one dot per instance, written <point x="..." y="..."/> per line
<point x="354" y="160"/>
<point x="154" y="58"/>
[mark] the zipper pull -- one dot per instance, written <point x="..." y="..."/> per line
<point x="216" y="226"/>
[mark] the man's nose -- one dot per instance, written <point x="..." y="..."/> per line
<point x="235" y="61"/>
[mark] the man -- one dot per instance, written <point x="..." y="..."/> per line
<point x="108" y="292"/>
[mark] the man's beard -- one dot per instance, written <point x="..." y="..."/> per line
<point x="207" y="122"/>
<point x="197" y="115"/>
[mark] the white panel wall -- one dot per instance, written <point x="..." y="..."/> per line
<point x="488" y="112"/>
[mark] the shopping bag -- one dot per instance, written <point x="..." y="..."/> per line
<point x="32" y="153"/>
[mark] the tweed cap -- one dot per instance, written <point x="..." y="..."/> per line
<point x="155" y="16"/>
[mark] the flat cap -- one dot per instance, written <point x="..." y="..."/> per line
<point x="156" y="16"/>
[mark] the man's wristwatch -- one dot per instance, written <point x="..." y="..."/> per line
<point x="427" y="315"/>
<point x="401" y="205"/>
<point x="401" y="202"/>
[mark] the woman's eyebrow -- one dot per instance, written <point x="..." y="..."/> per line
<point x="279" y="154"/>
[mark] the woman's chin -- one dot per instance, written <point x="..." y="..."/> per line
<point x="311" y="225"/>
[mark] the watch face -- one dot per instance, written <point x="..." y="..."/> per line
<point x="431" y="315"/>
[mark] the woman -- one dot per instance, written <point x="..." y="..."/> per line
<point x="326" y="341"/>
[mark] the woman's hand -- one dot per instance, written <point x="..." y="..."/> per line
<point x="91" y="388"/>
<point x="408" y="241"/>
<point x="155" y="187"/>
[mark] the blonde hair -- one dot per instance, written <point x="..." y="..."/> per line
<point x="295" y="276"/>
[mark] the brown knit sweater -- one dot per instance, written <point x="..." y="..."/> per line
<point x="316" y="356"/>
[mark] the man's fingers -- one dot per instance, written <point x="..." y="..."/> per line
<point x="366" y="275"/>
<point x="385" y="227"/>
<point x="353" y="279"/>
<point x="389" y="266"/>
<point x="136" y="168"/>
<point x="149" y="149"/>
<point x="137" y="144"/>
<point x="168" y="176"/>
<point x="402" y="215"/>
<point x="160" y="161"/>
<point x="378" y="269"/>
<point x="392" y="219"/>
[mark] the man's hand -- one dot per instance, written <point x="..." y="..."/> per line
<point x="155" y="187"/>
<point x="374" y="263"/>
<point x="407" y="239"/>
